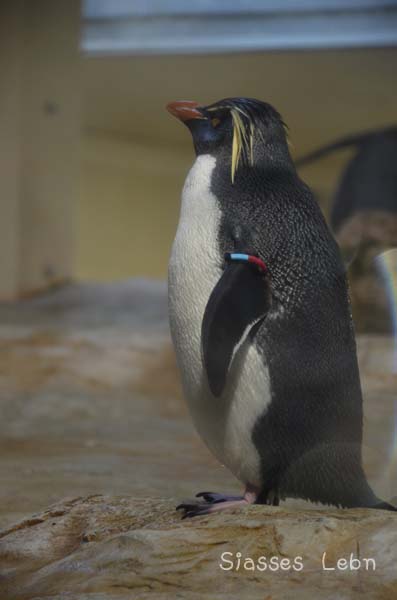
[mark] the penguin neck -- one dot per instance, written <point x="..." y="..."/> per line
<point x="274" y="155"/>
<point x="268" y="158"/>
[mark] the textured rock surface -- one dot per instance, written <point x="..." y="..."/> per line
<point x="105" y="547"/>
<point x="90" y="401"/>
<point x="90" y="404"/>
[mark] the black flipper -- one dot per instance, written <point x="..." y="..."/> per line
<point x="239" y="300"/>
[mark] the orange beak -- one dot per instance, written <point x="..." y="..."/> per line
<point x="184" y="110"/>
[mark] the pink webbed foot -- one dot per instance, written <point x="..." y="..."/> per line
<point x="214" y="498"/>
<point x="214" y="502"/>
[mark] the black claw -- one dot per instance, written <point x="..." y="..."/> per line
<point x="193" y="510"/>
<point x="190" y="514"/>
<point x="185" y="507"/>
<point x="204" y="508"/>
<point x="211" y="497"/>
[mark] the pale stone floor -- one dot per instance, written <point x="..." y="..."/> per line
<point x="90" y="403"/>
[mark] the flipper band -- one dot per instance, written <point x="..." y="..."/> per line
<point x="246" y="258"/>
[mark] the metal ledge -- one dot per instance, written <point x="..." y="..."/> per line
<point x="175" y="27"/>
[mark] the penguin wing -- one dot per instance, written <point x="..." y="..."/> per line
<point x="238" y="301"/>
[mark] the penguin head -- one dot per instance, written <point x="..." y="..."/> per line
<point x="241" y="131"/>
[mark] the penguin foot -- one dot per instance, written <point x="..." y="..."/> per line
<point x="214" y="498"/>
<point x="216" y="502"/>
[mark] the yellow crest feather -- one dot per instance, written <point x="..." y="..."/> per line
<point x="243" y="141"/>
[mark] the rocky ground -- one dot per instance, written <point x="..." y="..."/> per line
<point x="108" y="548"/>
<point x="91" y="410"/>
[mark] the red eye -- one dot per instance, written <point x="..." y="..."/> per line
<point x="215" y="122"/>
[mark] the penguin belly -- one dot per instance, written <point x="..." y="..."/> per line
<point x="225" y="423"/>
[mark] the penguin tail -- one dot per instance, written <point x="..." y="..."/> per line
<point x="384" y="506"/>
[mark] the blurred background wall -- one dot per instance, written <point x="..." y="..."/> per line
<point x="135" y="156"/>
<point x="40" y="138"/>
<point x="92" y="165"/>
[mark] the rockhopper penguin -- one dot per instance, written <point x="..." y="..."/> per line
<point x="368" y="184"/>
<point x="260" y="317"/>
<point x="363" y="218"/>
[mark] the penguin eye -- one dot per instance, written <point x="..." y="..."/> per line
<point x="215" y="122"/>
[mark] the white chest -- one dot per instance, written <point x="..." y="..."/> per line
<point x="225" y="423"/>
